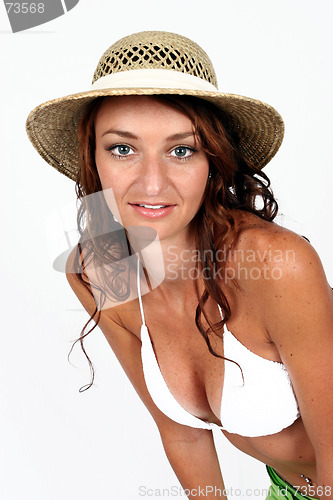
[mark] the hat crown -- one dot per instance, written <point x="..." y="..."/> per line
<point x="156" y="50"/>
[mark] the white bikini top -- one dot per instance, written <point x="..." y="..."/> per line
<point x="264" y="403"/>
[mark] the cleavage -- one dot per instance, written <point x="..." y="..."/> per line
<point x="193" y="375"/>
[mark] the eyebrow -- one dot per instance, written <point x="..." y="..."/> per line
<point x="129" y="135"/>
<point x="176" y="137"/>
<point x="121" y="133"/>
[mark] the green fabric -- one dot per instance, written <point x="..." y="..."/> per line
<point x="280" y="489"/>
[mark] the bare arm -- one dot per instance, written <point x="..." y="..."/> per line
<point x="298" y="310"/>
<point x="192" y="455"/>
<point x="191" y="452"/>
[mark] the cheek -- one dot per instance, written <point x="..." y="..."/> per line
<point x="102" y="170"/>
<point x="197" y="185"/>
<point x="111" y="176"/>
<point x="112" y="190"/>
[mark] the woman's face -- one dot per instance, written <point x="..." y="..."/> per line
<point x="148" y="154"/>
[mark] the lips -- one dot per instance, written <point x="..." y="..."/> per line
<point x="152" y="210"/>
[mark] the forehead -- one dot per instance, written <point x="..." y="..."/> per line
<point x="134" y="109"/>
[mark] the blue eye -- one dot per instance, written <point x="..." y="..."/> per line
<point x="182" y="152"/>
<point x="121" y="150"/>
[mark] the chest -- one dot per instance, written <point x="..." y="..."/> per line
<point x="193" y="375"/>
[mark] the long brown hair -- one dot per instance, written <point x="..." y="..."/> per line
<point x="233" y="184"/>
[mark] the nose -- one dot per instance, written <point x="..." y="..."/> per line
<point x="154" y="175"/>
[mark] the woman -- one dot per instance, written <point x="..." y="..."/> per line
<point x="178" y="163"/>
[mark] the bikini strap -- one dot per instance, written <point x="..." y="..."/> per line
<point x="139" y="292"/>
<point x="221" y="314"/>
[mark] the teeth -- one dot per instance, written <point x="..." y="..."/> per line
<point x="153" y="206"/>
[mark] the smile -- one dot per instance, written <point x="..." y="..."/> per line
<point x="152" y="211"/>
<point x="154" y="207"/>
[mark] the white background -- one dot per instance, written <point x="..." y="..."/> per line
<point x="57" y="444"/>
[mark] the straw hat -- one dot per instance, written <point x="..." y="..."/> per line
<point x="152" y="63"/>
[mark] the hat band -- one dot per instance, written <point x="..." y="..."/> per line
<point x="152" y="78"/>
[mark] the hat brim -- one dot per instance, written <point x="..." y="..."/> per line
<point x="52" y="126"/>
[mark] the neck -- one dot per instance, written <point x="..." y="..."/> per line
<point x="169" y="262"/>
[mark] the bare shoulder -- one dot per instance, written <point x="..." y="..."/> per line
<point x="123" y="342"/>
<point x="262" y="242"/>
<point x="81" y="289"/>
<point x="258" y="234"/>
<point x="109" y="317"/>
<point x="268" y="260"/>
<point x="296" y="277"/>
<point x="279" y="276"/>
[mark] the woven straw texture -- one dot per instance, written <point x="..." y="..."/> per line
<point x="52" y="126"/>
<point x="159" y="51"/>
